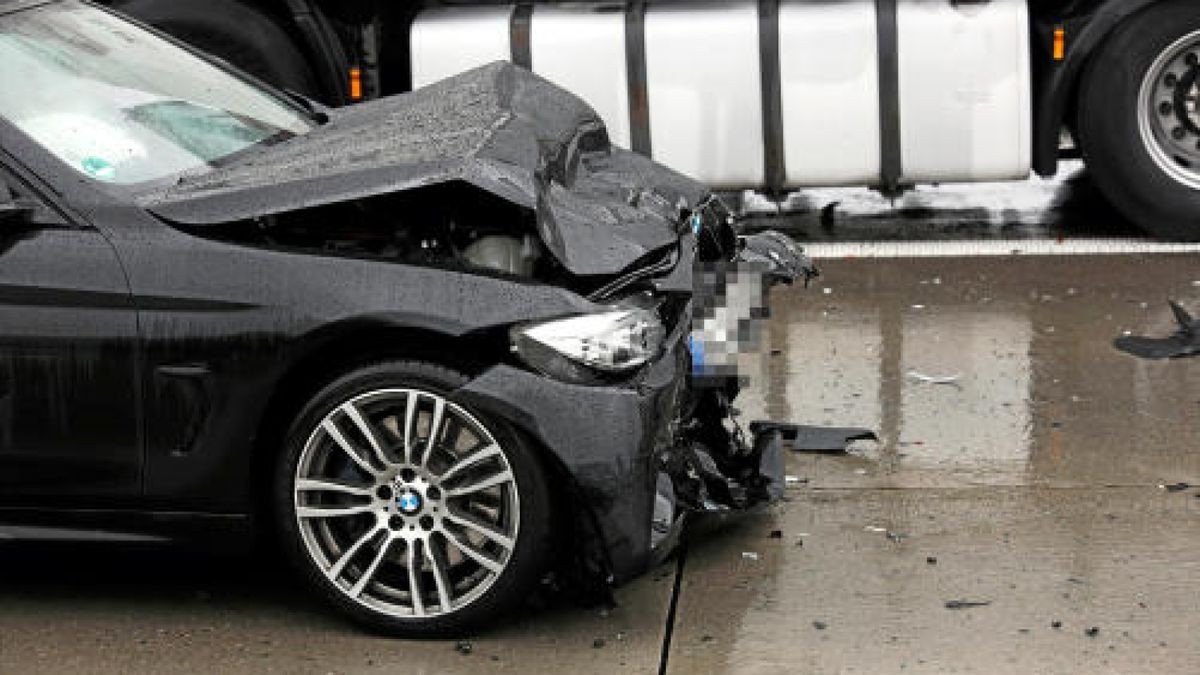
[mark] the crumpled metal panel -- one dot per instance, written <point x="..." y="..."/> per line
<point x="499" y="128"/>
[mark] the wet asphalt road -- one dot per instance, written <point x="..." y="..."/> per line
<point x="1031" y="483"/>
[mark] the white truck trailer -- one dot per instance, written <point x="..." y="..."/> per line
<point x="780" y="95"/>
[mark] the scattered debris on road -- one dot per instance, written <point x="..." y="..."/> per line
<point x="1092" y="632"/>
<point x="930" y="560"/>
<point x="966" y="604"/>
<point x="749" y="555"/>
<point x="935" y="379"/>
<point x="1185" y="342"/>
<point x="1175" y="487"/>
<point x="803" y="438"/>
<point x="820" y="625"/>
<point x="463" y="647"/>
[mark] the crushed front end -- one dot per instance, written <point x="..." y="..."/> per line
<point x="640" y="453"/>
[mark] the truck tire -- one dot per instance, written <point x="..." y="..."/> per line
<point x="1139" y="122"/>
<point x="234" y="32"/>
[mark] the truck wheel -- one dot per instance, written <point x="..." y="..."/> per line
<point x="232" y="31"/>
<point x="1139" y="119"/>
<point x="405" y="510"/>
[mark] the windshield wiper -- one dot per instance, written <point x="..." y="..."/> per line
<point x="315" y="110"/>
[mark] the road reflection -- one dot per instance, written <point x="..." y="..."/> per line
<point x="1039" y="393"/>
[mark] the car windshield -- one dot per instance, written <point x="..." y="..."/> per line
<point x="121" y="105"/>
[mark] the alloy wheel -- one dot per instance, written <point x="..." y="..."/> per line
<point x="406" y="503"/>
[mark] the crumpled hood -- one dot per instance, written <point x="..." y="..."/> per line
<point x="499" y="128"/>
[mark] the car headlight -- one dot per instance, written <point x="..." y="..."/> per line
<point x="584" y="348"/>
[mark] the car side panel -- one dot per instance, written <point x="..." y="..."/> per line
<point x="223" y="323"/>
<point x="68" y="338"/>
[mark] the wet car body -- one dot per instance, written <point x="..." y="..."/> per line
<point x="158" y="339"/>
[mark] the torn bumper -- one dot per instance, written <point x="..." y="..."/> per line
<point x="641" y="455"/>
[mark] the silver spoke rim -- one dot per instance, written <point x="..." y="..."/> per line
<point x="414" y="584"/>
<point x="369" y="574"/>
<point x="481" y="529"/>
<point x="406" y="467"/>
<point x="410" y="411"/>
<point x="435" y="426"/>
<point x="310" y="485"/>
<point x="338" y="437"/>
<point x="498" y="479"/>
<point x="333" y="511"/>
<point x="440" y="580"/>
<point x="470" y="552"/>
<point x="1167" y="111"/>
<point x="368" y="433"/>
<point x="471" y="460"/>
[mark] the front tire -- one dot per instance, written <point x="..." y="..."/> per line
<point x="1139" y="122"/>
<point x="406" y="511"/>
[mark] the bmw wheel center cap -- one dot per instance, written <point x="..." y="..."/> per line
<point x="408" y="502"/>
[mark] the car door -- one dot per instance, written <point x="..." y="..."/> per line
<point x="68" y="401"/>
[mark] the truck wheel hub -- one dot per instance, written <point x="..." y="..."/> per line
<point x="1168" y="113"/>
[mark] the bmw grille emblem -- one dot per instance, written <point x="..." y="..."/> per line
<point x="409" y="502"/>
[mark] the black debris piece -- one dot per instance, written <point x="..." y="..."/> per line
<point x="803" y="438"/>
<point x="966" y="604"/>
<point x="930" y="560"/>
<point x="1177" y="487"/>
<point x="1092" y="632"/>
<point x="775" y="534"/>
<point x="1185" y="342"/>
<point x="598" y="643"/>
<point x="820" y="625"/>
<point x="829" y="214"/>
<point x="463" y="647"/>
<point x="1056" y="624"/>
<point x="896" y="537"/>
<point x="706" y="638"/>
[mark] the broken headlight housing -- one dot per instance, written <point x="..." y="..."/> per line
<point x="586" y="348"/>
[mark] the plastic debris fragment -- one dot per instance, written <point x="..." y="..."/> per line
<point x="934" y="379"/>
<point x="966" y="604"/>
<point x="1185" y="341"/>
<point x="802" y="438"/>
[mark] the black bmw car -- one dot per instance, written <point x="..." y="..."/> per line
<point x="437" y="347"/>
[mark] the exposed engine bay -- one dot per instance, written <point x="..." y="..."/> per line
<point x="446" y="225"/>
